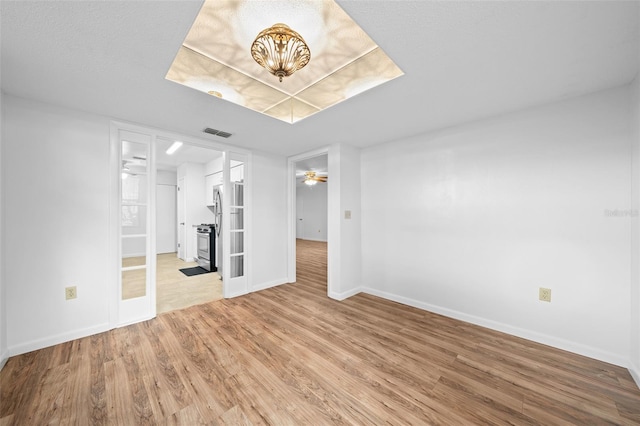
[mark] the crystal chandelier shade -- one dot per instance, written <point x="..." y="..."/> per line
<point x="280" y="50"/>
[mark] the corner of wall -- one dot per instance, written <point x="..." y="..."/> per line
<point x="634" y="362"/>
<point x="4" y="352"/>
<point x="344" y="221"/>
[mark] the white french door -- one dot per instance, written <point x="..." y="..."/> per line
<point x="136" y="292"/>
<point x="133" y="217"/>
<point x="234" y="225"/>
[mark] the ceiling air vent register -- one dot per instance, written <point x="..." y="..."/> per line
<point x="220" y="133"/>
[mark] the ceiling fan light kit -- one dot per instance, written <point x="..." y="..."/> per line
<point x="311" y="179"/>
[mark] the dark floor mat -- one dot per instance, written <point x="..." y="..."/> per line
<point x="194" y="271"/>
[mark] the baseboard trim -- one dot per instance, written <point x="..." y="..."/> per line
<point x="4" y="357"/>
<point x="269" y="284"/>
<point x="634" y="370"/>
<point x="126" y="256"/>
<point x="313" y="239"/>
<point x="544" y="339"/>
<point x="346" y="294"/>
<point x="34" y="345"/>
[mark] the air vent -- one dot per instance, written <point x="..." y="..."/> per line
<point x="217" y="132"/>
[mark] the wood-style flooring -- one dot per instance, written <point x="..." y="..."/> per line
<point x="174" y="290"/>
<point x="291" y="356"/>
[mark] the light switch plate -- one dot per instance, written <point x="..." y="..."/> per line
<point x="347" y="214"/>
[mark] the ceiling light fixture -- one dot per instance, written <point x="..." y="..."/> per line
<point x="310" y="178"/>
<point x="280" y="50"/>
<point x="346" y="61"/>
<point x="174" y="147"/>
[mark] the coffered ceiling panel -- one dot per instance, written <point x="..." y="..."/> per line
<point x="222" y="35"/>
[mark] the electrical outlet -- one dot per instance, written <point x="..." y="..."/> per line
<point x="544" y="294"/>
<point x="70" y="293"/>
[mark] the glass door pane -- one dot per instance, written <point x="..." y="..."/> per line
<point x="236" y="220"/>
<point x="134" y="221"/>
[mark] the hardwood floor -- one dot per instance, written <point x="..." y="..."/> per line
<point x="174" y="290"/>
<point x="290" y="355"/>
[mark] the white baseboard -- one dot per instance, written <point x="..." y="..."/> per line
<point x="57" y="339"/>
<point x="269" y="284"/>
<point x="346" y="294"/>
<point x="313" y="239"/>
<point x="128" y="255"/>
<point x="545" y="339"/>
<point x="634" y="370"/>
<point x="4" y="357"/>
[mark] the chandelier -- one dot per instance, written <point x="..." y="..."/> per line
<point x="280" y="50"/>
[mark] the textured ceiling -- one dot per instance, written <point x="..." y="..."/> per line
<point x="462" y="61"/>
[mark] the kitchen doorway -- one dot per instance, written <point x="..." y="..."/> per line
<point x="137" y="153"/>
<point x="182" y="203"/>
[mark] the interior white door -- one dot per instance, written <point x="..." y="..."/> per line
<point x="166" y="217"/>
<point x="137" y="226"/>
<point x="182" y="242"/>
<point x="234" y="226"/>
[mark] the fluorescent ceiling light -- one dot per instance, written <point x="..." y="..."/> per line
<point x="215" y="57"/>
<point x="174" y="147"/>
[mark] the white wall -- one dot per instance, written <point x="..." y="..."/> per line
<point x="312" y="209"/>
<point x="268" y="231"/>
<point x="470" y="221"/>
<point x="344" y="245"/>
<point x="635" y="231"/>
<point x="214" y="166"/>
<point x="167" y="177"/>
<point x="57" y="203"/>
<point x="56" y="206"/>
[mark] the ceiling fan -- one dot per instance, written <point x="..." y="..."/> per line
<point x="310" y="178"/>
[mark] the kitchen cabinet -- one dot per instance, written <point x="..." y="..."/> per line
<point x="236" y="174"/>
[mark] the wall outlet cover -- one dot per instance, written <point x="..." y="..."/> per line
<point x="70" y="293"/>
<point x="544" y="294"/>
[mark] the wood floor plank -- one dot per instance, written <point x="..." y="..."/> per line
<point x="291" y="355"/>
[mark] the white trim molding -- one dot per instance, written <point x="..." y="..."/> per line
<point x="545" y="339"/>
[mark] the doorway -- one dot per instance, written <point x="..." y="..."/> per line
<point x="311" y="214"/>
<point x="182" y="203"/>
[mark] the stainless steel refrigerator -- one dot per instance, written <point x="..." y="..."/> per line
<point x="217" y="212"/>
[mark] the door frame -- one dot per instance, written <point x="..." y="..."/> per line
<point x="332" y="185"/>
<point x="181" y="195"/>
<point x="115" y="251"/>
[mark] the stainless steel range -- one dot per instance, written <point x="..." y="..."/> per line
<point x="206" y="247"/>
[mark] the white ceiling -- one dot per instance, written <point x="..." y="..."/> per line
<point x="462" y="61"/>
<point x="185" y="154"/>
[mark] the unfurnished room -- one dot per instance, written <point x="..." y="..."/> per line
<point x="245" y="212"/>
